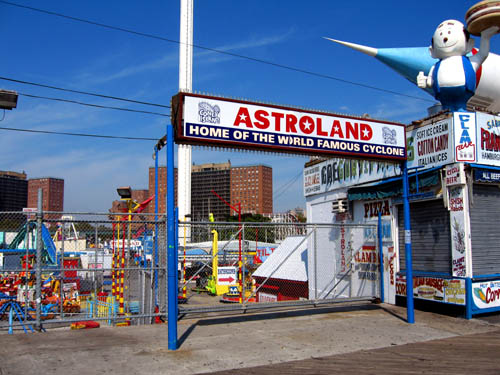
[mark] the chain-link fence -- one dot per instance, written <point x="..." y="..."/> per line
<point x="252" y="265"/>
<point x="82" y="269"/>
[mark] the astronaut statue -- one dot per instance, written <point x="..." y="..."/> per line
<point x="453" y="77"/>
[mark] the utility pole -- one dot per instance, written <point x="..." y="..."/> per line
<point x="186" y="85"/>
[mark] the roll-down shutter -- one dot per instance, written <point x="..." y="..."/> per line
<point x="485" y="230"/>
<point x="430" y="237"/>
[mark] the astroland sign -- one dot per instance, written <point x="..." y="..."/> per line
<point x="227" y="123"/>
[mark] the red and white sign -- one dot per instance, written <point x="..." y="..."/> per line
<point x="266" y="297"/>
<point x="230" y="123"/>
<point x="455" y="174"/>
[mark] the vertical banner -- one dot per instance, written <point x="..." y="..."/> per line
<point x="459" y="223"/>
<point x="465" y="136"/>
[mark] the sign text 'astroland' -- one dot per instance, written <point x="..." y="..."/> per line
<point x="227" y="123"/>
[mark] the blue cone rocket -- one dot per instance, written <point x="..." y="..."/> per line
<point x="410" y="61"/>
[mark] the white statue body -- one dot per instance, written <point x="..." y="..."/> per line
<point x="453" y="78"/>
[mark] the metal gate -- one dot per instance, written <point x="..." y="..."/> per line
<point x="228" y="266"/>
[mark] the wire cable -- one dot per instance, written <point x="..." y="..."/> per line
<point x="92" y="105"/>
<point x="299" y="70"/>
<point x="81" y="92"/>
<point x="283" y="188"/>
<point x="79" y="134"/>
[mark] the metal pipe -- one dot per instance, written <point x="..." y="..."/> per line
<point x="171" y="246"/>
<point x="381" y="255"/>
<point x="408" y="250"/>
<point x="154" y="259"/>
<point x="38" y="272"/>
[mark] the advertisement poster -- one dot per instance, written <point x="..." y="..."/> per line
<point x="488" y="139"/>
<point x="338" y="172"/>
<point x="434" y="289"/>
<point x="366" y="263"/>
<point x="486" y="294"/>
<point x="465" y="136"/>
<point x="431" y="145"/>
<point x="456" y="203"/>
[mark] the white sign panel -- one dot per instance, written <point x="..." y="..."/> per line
<point x="231" y="123"/>
<point x="459" y="243"/>
<point x="337" y="172"/>
<point x="227" y="275"/>
<point x="465" y="136"/>
<point x="455" y="174"/>
<point x="486" y="294"/>
<point x="431" y="145"/>
<point x="488" y="139"/>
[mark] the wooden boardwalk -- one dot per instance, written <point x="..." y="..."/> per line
<point x="468" y="354"/>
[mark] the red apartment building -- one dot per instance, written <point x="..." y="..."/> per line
<point x="252" y="186"/>
<point x="53" y="193"/>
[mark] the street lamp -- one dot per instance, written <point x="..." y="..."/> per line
<point x="125" y="192"/>
<point x="8" y="99"/>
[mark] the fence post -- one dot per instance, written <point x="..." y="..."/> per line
<point x="171" y="258"/>
<point x="381" y="256"/>
<point x="315" y="263"/>
<point x="38" y="270"/>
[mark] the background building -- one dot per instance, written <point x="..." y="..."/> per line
<point x="252" y="186"/>
<point x="13" y="191"/>
<point x="205" y="179"/>
<point x="162" y="189"/>
<point x="53" y="193"/>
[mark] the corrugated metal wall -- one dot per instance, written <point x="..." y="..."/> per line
<point x="485" y="230"/>
<point x="430" y="236"/>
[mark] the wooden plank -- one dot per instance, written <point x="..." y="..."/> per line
<point x="468" y="354"/>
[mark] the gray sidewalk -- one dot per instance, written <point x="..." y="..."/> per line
<point x="217" y="343"/>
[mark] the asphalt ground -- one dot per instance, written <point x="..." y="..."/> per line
<point x="237" y="341"/>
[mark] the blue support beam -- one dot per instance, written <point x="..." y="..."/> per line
<point x="410" y="311"/>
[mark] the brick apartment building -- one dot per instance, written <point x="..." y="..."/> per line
<point x="206" y="178"/>
<point x="52" y="190"/>
<point x="162" y="189"/>
<point x="252" y="186"/>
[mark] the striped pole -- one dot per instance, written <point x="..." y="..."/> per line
<point x="122" y="274"/>
<point x="184" y="264"/>
<point x="113" y="262"/>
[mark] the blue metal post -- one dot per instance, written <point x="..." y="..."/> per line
<point x="468" y="298"/>
<point x="409" y="272"/>
<point x="381" y="256"/>
<point x="155" y="261"/>
<point x="11" y="319"/>
<point x="171" y="246"/>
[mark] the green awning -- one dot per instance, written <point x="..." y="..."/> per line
<point x="393" y="186"/>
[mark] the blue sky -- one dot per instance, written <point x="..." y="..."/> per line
<point x="60" y="52"/>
